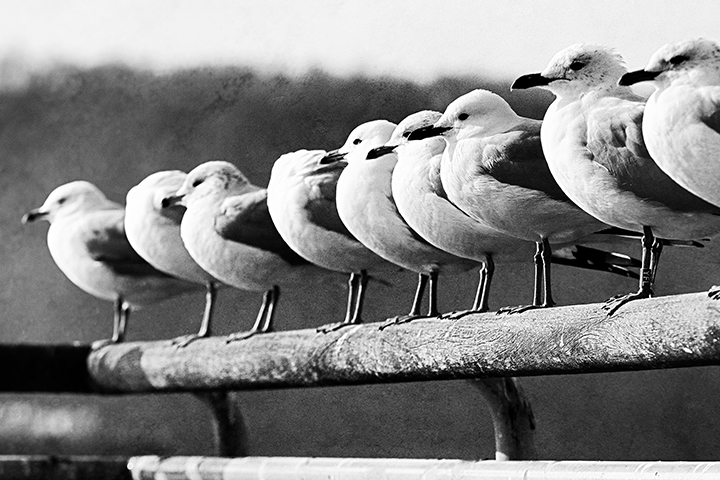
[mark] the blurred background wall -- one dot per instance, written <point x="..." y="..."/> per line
<point x="113" y="122"/>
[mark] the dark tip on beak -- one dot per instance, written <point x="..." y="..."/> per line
<point x="33" y="215"/>
<point x="427" y="132"/>
<point x="171" y="201"/>
<point x="330" y="167"/>
<point x="378" y="152"/>
<point x="529" y="81"/>
<point x="631" y="78"/>
<point x="332" y="157"/>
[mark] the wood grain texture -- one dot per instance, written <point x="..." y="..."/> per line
<point x="665" y="332"/>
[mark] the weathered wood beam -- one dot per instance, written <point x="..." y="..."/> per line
<point x="261" y="468"/>
<point x="665" y="332"/>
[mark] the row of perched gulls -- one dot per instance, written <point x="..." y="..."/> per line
<point x="437" y="193"/>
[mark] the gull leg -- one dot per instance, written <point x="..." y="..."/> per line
<point x="540" y="270"/>
<point x="415" y="310"/>
<point x="263" y="322"/>
<point x="481" y="302"/>
<point x="205" y="325"/>
<point x="546" y="266"/>
<point x="432" y="296"/>
<point x="356" y="293"/>
<point x="650" y="250"/>
<point x="121" y="311"/>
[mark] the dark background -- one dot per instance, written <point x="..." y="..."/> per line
<point x="113" y="126"/>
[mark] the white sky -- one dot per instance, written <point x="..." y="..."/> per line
<point x="405" y="38"/>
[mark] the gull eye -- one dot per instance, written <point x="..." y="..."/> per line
<point x="463" y="116"/>
<point x="678" y="59"/>
<point x="61" y="200"/>
<point x="357" y="141"/>
<point x="576" y="65"/>
<point x="197" y="182"/>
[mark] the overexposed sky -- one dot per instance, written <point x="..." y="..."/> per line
<point x="414" y="39"/>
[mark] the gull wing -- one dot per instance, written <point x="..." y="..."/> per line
<point x="104" y="238"/>
<point x="245" y="219"/>
<point x="322" y="206"/>
<point x="615" y="141"/>
<point x="516" y="158"/>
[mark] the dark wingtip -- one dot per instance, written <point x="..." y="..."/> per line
<point x="530" y="80"/>
<point x="631" y="78"/>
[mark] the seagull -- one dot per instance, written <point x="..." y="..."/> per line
<point x="421" y="200"/>
<point x="87" y="240"/>
<point x="301" y="202"/>
<point x="366" y="207"/>
<point x="154" y="233"/>
<point x="682" y="117"/>
<point x="493" y="169"/>
<point x="228" y="231"/>
<point x="593" y="142"/>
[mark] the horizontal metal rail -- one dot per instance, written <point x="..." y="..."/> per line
<point x="664" y="332"/>
<point x="673" y="331"/>
<point x="265" y="468"/>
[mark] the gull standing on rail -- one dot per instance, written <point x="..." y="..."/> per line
<point x="682" y="117"/>
<point x="366" y="207"/>
<point x="301" y="201"/>
<point x="154" y="232"/>
<point x="228" y="231"/>
<point x="593" y="142"/>
<point x="493" y="169"/>
<point x="87" y="240"/>
<point x="421" y="200"/>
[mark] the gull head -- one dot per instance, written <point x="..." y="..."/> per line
<point x="307" y="163"/>
<point x="476" y="114"/>
<point x="693" y="62"/>
<point x="577" y="69"/>
<point x="215" y="179"/>
<point x="412" y="123"/>
<point x="367" y="135"/>
<point x="150" y="193"/>
<point x="68" y="199"/>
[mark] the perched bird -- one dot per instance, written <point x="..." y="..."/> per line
<point x="593" y="142"/>
<point x="366" y="207"/>
<point x="493" y="169"/>
<point x="154" y="232"/>
<point x="421" y="200"/>
<point x="682" y="117"/>
<point x="301" y="201"/>
<point x="87" y="240"/>
<point x="228" y="231"/>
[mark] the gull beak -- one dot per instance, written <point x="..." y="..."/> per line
<point x="427" y="132"/>
<point x="330" y="167"/>
<point x="378" y="152"/>
<point x="172" y="201"/>
<point x="332" y="157"/>
<point x="631" y="78"/>
<point x="531" y="80"/>
<point x="33" y="215"/>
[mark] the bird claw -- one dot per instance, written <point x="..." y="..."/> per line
<point x="185" y="340"/>
<point x="714" y="292"/>
<point x="334" y="327"/>
<point x="98" y="344"/>
<point x="458" y="314"/>
<point x="237" y="336"/>
<point x="398" y="320"/>
<point x="519" y="309"/>
<point x="612" y="304"/>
